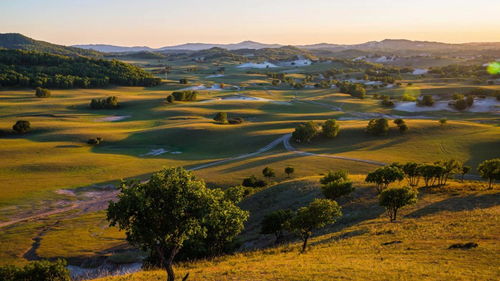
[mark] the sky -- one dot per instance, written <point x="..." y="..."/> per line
<point x="157" y="23"/>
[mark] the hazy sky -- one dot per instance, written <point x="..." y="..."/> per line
<point x="158" y="23"/>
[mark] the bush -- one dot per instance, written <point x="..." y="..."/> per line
<point x="22" y="126"/>
<point x="305" y="132"/>
<point x="253" y="181"/>
<point x="395" y="198"/>
<point x="330" y="128"/>
<point x="42" y="92"/>
<point x="221" y="117"/>
<point x="427" y="100"/>
<point x="36" y="271"/>
<point x="337" y="189"/>
<point x="331" y="176"/>
<point x="105" y="103"/>
<point x="378" y="127"/>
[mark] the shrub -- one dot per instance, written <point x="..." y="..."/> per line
<point x="221" y="117"/>
<point x="105" y="103"/>
<point x="305" y="132"/>
<point x="42" y="92"/>
<point x="268" y="172"/>
<point x="337" y="189"/>
<point x="253" y="181"/>
<point x="36" y="271"/>
<point x="330" y="128"/>
<point x="275" y="223"/>
<point x="427" y="100"/>
<point x="490" y="170"/>
<point x="378" y="127"/>
<point x="22" y="126"/>
<point x="331" y="176"/>
<point x="394" y="199"/>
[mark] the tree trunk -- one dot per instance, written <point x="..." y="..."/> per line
<point x="489" y="183"/>
<point x="304" y="245"/>
<point x="168" y="261"/>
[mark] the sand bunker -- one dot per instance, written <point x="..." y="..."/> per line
<point x="257" y="65"/>
<point x="155" y="152"/>
<point x="419" y="71"/>
<point x="112" y="118"/>
<point x="480" y="105"/>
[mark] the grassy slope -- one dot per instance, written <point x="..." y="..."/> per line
<point x="353" y="248"/>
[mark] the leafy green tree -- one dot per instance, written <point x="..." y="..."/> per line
<point x="449" y="168"/>
<point x="334" y="176"/>
<point x="318" y="214"/>
<point x="22" y="126"/>
<point x="427" y="100"/>
<point x="490" y="170"/>
<point x="42" y="270"/>
<point x="172" y="207"/>
<point x="431" y="173"/>
<point x="305" y="132"/>
<point x="378" y="127"/>
<point x="42" y="92"/>
<point x="236" y="193"/>
<point x="289" y="171"/>
<point x="337" y="189"/>
<point x="268" y="172"/>
<point x="443" y="121"/>
<point x="384" y="176"/>
<point x="330" y="128"/>
<point x="463" y="171"/>
<point x="275" y="223"/>
<point x="221" y="117"/>
<point x="394" y="199"/>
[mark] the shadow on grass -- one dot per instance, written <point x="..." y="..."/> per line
<point x="457" y="204"/>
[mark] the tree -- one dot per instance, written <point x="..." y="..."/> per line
<point x="22" y="126"/>
<point x="384" y="176"/>
<point x="331" y="176"/>
<point x="317" y="214"/>
<point x="490" y="170"/>
<point x="412" y="173"/>
<point x="275" y="223"/>
<point x="337" y="189"/>
<point x="305" y="132"/>
<point x="443" y="121"/>
<point x="170" y="99"/>
<point x="172" y="207"/>
<point x="268" y="172"/>
<point x="221" y="117"/>
<point x="330" y="128"/>
<point x="399" y="121"/>
<point x="378" y="127"/>
<point x="289" y="171"/>
<point x="395" y="198"/>
<point x="449" y="168"/>
<point x="42" y="92"/>
<point x="463" y="171"/>
<point x="427" y="100"/>
<point x="42" y="270"/>
<point x="236" y="193"/>
<point x="431" y="173"/>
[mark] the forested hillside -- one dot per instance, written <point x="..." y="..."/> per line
<point x="20" y="68"/>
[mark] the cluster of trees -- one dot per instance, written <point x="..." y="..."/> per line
<point x="33" y="69"/>
<point x="182" y="96"/>
<point x="42" y="92"/>
<point x="307" y="131"/>
<point x="36" y="271"/>
<point x="174" y="209"/>
<point x="354" y="89"/>
<point x="380" y="126"/>
<point x="460" y="71"/>
<point x="268" y="173"/>
<point x="105" y="103"/>
<point x="222" y="118"/>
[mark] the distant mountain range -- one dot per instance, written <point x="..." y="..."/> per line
<point x="384" y="45"/>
